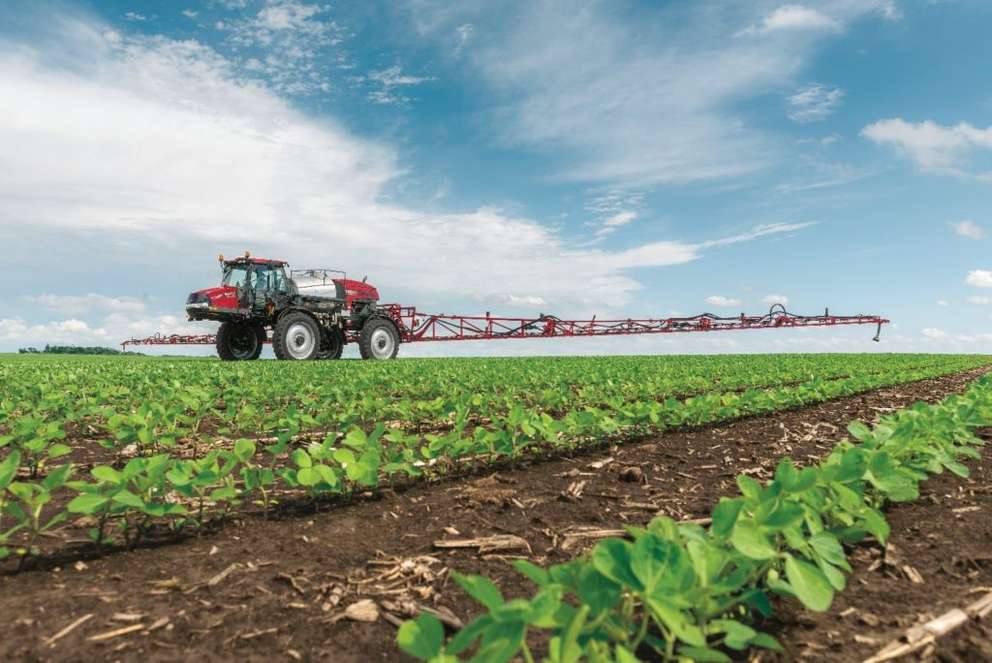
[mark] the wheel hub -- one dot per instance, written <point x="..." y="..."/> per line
<point x="301" y="341"/>
<point x="382" y="344"/>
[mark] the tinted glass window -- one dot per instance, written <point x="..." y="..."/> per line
<point x="269" y="277"/>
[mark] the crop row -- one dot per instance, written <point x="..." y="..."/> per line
<point x="119" y="403"/>
<point x="682" y="592"/>
<point x="157" y="490"/>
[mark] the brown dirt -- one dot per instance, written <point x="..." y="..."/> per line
<point x="972" y="642"/>
<point x="278" y="589"/>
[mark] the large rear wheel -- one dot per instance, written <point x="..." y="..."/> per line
<point x="331" y="344"/>
<point x="379" y="339"/>
<point x="297" y="336"/>
<point x="237" y="341"/>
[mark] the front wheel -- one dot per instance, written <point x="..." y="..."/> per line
<point x="297" y="336"/>
<point x="237" y="341"/>
<point x="379" y="339"/>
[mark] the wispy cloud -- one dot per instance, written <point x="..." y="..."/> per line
<point x="818" y="174"/>
<point x="463" y="35"/>
<point x="573" y="82"/>
<point x="934" y="334"/>
<point x="969" y="229"/>
<point x="933" y="147"/>
<point x="286" y="41"/>
<point x="613" y="210"/>
<point x="814" y="103"/>
<point x="389" y="82"/>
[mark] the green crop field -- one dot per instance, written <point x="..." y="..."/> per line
<point x="127" y="449"/>
<point x="220" y="434"/>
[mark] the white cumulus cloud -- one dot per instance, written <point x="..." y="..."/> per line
<point x="775" y="299"/>
<point x="70" y="331"/>
<point x="796" y="17"/>
<point x="980" y="278"/>
<point x="720" y="300"/>
<point x="85" y="304"/>
<point x="934" y="334"/>
<point x="933" y="147"/>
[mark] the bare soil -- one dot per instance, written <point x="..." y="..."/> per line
<point x="297" y="587"/>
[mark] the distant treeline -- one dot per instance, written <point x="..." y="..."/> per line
<point x="74" y="350"/>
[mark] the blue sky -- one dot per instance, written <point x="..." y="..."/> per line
<point x="616" y="158"/>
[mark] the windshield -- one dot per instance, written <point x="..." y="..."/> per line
<point x="235" y="275"/>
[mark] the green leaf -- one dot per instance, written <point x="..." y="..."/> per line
<point x="809" y="584"/>
<point x="128" y="498"/>
<point x="750" y="488"/>
<point x="87" y="503"/>
<point x="787" y="513"/>
<point x="481" y="589"/>
<point x="704" y="655"/>
<point x="725" y="516"/>
<point x="828" y="547"/>
<point x="766" y="641"/>
<point x="535" y="573"/>
<point x="750" y="542"/>
<point x="56" y="478"/>
<point x="306" y="476"/>
<point x="787" y="474"/>
<point x="345" y="457"/>
<point x="859" y="430"/>
<point x="596" y="590"/>
<point x="8" y="468"/>
<point x="422" y="638"/>
<point x="301" y="458"/>
<point x="106" y="474"/>
<point x="58" y="450"/>
<point x="356" y="438"/>
<point x="677" y="622"/>
<point x="611" y="557"/>
<point x="623" y="655"/>
<point x="244" y="450"/>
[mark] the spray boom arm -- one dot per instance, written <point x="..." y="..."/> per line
<point x="416" y="327"/>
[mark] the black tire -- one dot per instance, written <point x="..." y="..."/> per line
<point x="379" y="339"/>
<point x="332" y="344"/>
<point x="296" y="336"/>
<point x="240" y="341"/>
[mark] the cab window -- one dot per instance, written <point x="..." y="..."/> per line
<point x="235" y="275"/>
<point x="269" y="277"/>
